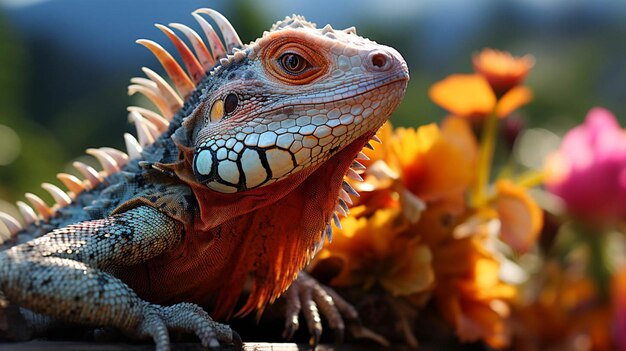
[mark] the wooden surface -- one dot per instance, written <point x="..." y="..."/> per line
<point x="79" y="346"/>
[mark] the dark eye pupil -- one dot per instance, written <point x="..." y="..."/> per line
<point x="293" y="63"/>
<point x="230" y="103"/>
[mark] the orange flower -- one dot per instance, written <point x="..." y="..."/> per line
<point x="502" y="70"/>
<point x="521" y="219"/>
<point x="561" y="310"/>
<point x="413" y="232"/>
<point x="434" y="162"/>
<point x="436" y="165"/>
<point x="469" y="292"/>
<point x="494" y="89"/>
<point x="471" y="96"/>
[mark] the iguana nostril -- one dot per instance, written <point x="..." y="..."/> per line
<point x="380" y="61"/>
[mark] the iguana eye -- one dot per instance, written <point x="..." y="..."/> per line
<point x="293" y="63"/>
<point x="230" y="103"/>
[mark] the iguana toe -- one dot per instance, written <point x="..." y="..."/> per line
<point x="186" y="317"/>
<point x="308" y="297"/>
<point x="311" y="298"/>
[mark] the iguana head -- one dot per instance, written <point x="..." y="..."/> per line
<point x="290" y="101"/>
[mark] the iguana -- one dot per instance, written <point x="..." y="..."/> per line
<point x="231" y="185"/>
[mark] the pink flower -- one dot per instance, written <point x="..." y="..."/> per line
<point x="589" y="170"/>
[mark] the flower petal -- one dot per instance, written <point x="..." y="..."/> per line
<point x="502" y="70"/>
<point x="480" y="321"/>
<point x="464" y="95"/>
<point x="363" y="244"/>
<point x="459" y="132"/>
<point x="436" y="163"/>
<point x="514" y="99"/>
<point x="412" y="272"/>
<point x="521" y="218"/>
<point x="588" y="172"/>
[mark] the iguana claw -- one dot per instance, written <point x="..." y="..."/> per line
<point x="307" y="296"/>
<point x="186" y="317"/>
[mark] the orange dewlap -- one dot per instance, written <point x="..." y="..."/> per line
<point x="283" y="220"/>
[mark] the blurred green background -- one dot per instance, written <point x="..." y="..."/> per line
<point x="65" y="64"/>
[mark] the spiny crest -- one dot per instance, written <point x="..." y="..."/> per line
<point x="299" y="22"/>
<point x="167" y="98"/>
<point x="293" y="21"/>
<point x="196" y="65"/>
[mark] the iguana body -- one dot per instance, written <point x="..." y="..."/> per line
<point x="235" y="186"/>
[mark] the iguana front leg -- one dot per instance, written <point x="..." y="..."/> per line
<point x="63" y="275"/>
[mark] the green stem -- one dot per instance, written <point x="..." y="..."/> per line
<point x="530" y="179"/>
<point x="485" y="158"/>
<point x="599" y="263"/>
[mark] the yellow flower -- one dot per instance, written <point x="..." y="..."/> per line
<point x="377" y="250"/>
<point x="432" y="162"/>
<point x="413" y="230"/>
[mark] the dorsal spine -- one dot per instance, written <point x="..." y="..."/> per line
<point x="149" y="124"/>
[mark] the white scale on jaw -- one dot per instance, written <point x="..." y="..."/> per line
<point x="262" y="158"/>
<point x="272" y="148"/>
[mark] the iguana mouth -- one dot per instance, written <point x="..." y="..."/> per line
<point x="295" y="137"/>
